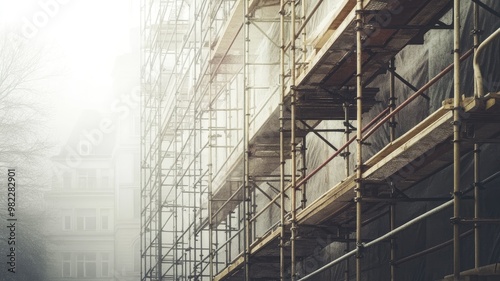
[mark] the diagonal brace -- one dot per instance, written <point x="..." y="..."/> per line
<point x="265" y="34"/>
<point x="266" y="195"/>
<point x="319" y="136"/>
<point x="400" y="78"/>
<point x="486" y="7"/>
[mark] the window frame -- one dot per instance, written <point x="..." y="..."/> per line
<point x="84" y="218"/>
<point x="67" y="262"/>
<point x="105" y="263"/>
<point x="85" y="262"/>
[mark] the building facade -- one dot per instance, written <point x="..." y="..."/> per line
<point x="94" y="201"/>
<point x="81" y="234"/>
<point x="318" y="140"/>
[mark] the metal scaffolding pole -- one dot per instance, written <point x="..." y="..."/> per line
<point x="142" y="146"/>
<point x="477" y="152"/>
<point x="302" y="31"/>
<point x="282" y="140"/>
<point x="246" y="140"/>
<point x="347" y="132"/>
<point x="477" y="213"/>
<point x="456" y="141"/>
<point x="177" y="149"/>
<point x="210" y="190"/>
<point x="210" y="164"/>
<point x="303" y="170"/>
<point x="346" y="154"/>
<point x="359" y="137"/>
<point x="293" y="145"/>
<point x="193" y="246"/>
<point x="392" y="137"/>
<point x="159" y="203"/>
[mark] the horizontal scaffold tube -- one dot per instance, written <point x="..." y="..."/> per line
<point x="394" y="232"/>
<point x="380" y="239"/>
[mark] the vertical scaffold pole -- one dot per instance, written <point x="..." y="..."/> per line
<point x="159" y="202"/>
<point x="347" y="135"/>
<point x="210" y="185"/>
<point x="175" y="184"/>
<point x="192" y="252"/>
<point x="359" y="124"/>
<point x="198" y="209"/>
<point x="293" y="166"/>
<point x="177" y="134"/>
<point x="142" y="107"/>
<point x="477" y="194"/>
<point x="392" y="135"/>
<point x="346" y="154"/>
<point x="392" y="100"/>
<point x="456" y="141"/>
<point x="303" y="156"/>
<point x="246" y="140"/>
<point x="477" y="152"/>
<point x="282" y="140"/>
<point x="210" y="160"/>
<point x="303" y="33"/>
<point x="347" y="248"/>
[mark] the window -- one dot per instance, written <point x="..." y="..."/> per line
<point x="104" y="264"/>
<point x="66" y="265"/>
<point x="67" y="222"/>
<point x="66" y="215"/>
<point x="86" y="219"/>
<point x="87" y="179"/>
<point x="86" y="265"/>
<point x="105" y="219"/>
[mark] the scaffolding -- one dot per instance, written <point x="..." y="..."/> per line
<point x="231" y="92"/>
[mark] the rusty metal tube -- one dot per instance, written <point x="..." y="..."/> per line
<point x="477" y="151"/>
<point x="456" y="140"/>
<point x="392" y="137"/>
<point x="477" y="214"/>
<point x="293" y="145"/>
<point x="246" y="140"/>
<point x="477" y="69"/>
<point x="359" y="136"/>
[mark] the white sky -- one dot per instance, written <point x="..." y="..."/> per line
<point x="83" y="39"/>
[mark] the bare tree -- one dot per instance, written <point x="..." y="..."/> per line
<point x="23" y="148"/>
<point x="21" y="73"/>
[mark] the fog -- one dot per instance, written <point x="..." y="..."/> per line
<point x="69" y="146"/>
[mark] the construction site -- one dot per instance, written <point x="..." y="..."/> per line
<point x="320" y="140"/>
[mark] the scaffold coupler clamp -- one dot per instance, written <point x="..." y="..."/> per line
<point x="360" y="249"/>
